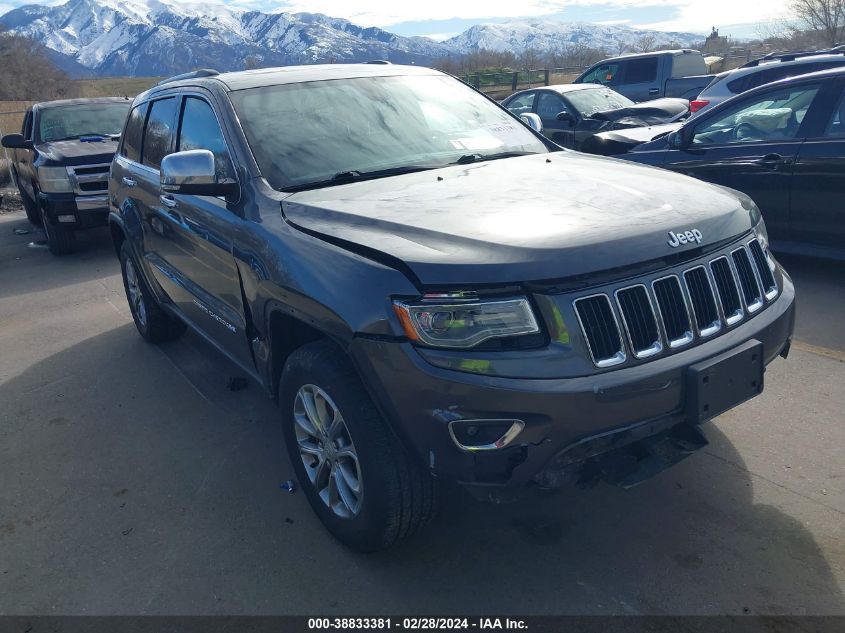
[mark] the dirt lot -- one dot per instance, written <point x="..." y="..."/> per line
<point x="135" y="482"/>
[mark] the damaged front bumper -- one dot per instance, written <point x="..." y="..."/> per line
<point x="620" y="426"/>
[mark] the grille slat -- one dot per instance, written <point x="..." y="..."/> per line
<point x="705" y="311"/>
<point x="673" y="311"/>
<point x="770" y="287"/>
<point x="601" y="330"/>
<point x="728" y="291"/>
<point x="751" y="291"/>
<point x="639" y="320"/>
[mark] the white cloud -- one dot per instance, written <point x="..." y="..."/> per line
<point x="683" y="15"/>
<point x="700" y="16"/>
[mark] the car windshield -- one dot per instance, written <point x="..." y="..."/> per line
<point x="588" y="102"/>
<point x="314" y="132"/>
<point x="89" y="119"/>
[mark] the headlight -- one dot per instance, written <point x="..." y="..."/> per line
<point x="54" y="180"/>
<point x="465" y="324"/>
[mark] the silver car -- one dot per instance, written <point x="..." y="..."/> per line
<point x="763" y="71"/>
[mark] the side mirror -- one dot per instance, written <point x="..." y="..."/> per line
<point x="565" y="117"/>
<point x="677" y="139"/>
<point x="532" y="120"/>
<point x="15" y="141"/>
<point x="192" y="173"/>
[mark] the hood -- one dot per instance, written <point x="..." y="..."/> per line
<point x="531" y="218"/>
<point x="77" y="152"/>
<point x="647" y="112"/>
<point x="623" y="140"/>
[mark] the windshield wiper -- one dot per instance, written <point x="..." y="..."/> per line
<point x="466" y="159"/>
<point x="354" y="175"/>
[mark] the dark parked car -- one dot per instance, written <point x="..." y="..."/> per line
<point x="643" y="76"/>
<point x="60" y="163"/>
<point x="573" y="112"/>
<point x="432" y="290"/>
<point x="783" y="144"/>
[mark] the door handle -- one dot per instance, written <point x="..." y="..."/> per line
<point x="168" y="201"/>
<point x="771" y="161"/>
<point x="128" y="182"/>
<point x="654" y="91"/>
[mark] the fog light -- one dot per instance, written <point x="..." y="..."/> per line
<point x="66" y="218"/>
<point x="484" y="435"/>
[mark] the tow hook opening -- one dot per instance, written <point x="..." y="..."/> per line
<point x="629" y="465"/>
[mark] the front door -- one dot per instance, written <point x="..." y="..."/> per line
<point x="752" y="147"/>
<point x="549" y="105"/>
<point x="817" y="209"/>
<point x="193" y="240"/>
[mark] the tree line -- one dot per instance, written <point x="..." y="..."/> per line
<point x="27" y="73"/>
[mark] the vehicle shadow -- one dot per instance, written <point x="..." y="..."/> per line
<point x="137" y="482"/>
<point x="27" y="266"/>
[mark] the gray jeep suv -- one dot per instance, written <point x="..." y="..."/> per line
<point x="432" y="290"/>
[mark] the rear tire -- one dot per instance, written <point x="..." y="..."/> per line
<point x="396" y="495"/>
<point x="153" y="323"/>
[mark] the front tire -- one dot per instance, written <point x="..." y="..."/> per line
<point x="153" y="323"/>
<point x="60" y="240"/>
<point x="362" y="483"/>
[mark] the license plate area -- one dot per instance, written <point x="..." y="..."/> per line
<point x="720" y="383"/>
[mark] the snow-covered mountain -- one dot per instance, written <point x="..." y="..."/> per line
<point x="162" y="37"/>
<point x="516" y="37"/>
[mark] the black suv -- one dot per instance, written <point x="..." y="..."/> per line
<point x="60" y="163"/>
<point x="433" y="290"/>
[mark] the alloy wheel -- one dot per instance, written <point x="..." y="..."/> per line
<point x="327" y="451"/>
<point x="136" y="297"/>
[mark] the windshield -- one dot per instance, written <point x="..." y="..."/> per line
<point x="311" y="132"/>
<point x="588" y="102"/>
<point x="89" y="119"/>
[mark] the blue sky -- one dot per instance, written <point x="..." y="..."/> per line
<point x="441" y="18"/>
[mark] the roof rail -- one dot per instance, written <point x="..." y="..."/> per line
<point x="378" y="61"/>
<point x="793" y="55"/>
<point x="203" y="72"/>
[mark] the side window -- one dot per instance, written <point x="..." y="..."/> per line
<point x="605" y="74"/>
<point x="771" y="115"/>
<point x="199" y="129"/>
<point x="134" y="132"/>
<point x="836" y="125"/>
<point x="522" y="104"/>
<point x="549" y="106"/>
<point x="638" y="71"/>
<point x="158" y="132"/>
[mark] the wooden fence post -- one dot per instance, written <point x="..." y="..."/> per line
<point x="514" y="80"/>
<point x="546" y="77"/>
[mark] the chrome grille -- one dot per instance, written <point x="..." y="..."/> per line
<point x="767" y="278"/>
<point x="705" y="313"/>
<point x="601" y="330"/>
<point x="639" y="320"/>
<point x="751" y="291"/>
<point x="697" y="302"/>
<point x="728" y="290"/>
<point x="89" y="179"/>
<point x="673" y="311"/>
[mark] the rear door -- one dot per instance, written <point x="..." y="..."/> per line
<point x="640" y="78"/>
<point x="193" y="238"/>
<point x="751" y="145"/>
<point x="817" y="203"/>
